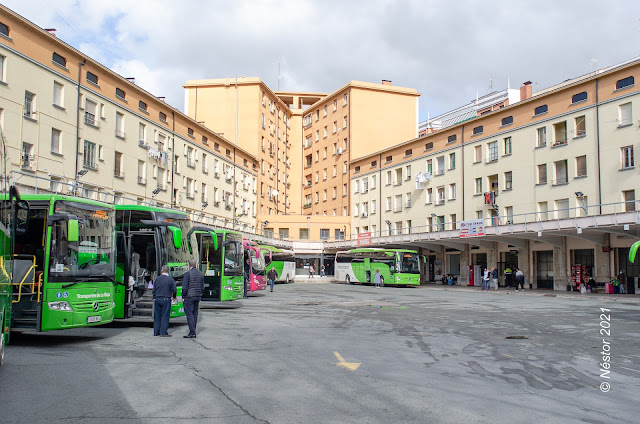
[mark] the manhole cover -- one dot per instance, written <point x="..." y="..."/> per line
<point x="516" y="337"/>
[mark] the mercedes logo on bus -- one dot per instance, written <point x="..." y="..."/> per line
<point x="96" y="306"/>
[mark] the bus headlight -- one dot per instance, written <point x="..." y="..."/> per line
<point x="60" y="306"/>
<point x="228" y="288"/>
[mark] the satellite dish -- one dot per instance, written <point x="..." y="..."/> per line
<point x="274" y="193"/>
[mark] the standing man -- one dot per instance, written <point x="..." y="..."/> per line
<point x="485" y="280"/>
<point x="247" y="274"/>
<point x="164" y="290"/>
<point x="271" y="276"/>
<point x="494" y="276"/>
<point x="519" y="279"/>
<point x="192" y="288"/>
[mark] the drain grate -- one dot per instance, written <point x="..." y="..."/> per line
<point x="517" y="337"/>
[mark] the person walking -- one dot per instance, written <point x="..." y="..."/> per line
<point x="192" y="288"/>
<point x="311" y="271"/>
<point x="485" y="280"/>
<point x="164" y="290"/>
<point x="322" y="274"/>
<point x="271" y="276"/>
<point x="519" y="279"/>
<point x="494" y="276"/>
<point x="377" y="278"/>
<point x="508" y="275"/>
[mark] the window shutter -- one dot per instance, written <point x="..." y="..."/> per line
<point x="542" y="173"/>
<point x="581" y="165"/>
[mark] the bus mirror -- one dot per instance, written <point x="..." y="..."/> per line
<point x="73" y="230"/>
<point x="424" y="259"/>
<point x="214" y="239"/>
<point x="22" y="217"/>
<point x="177" y="236"/>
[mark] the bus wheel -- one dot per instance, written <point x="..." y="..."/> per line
<point x="381" y="281"/>
<point x="347" y="280"/>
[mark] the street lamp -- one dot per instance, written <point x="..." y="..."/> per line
<point x="154" y="193"/>
<point x="580" y="197"/>
<point x="386" y="221"/>
<point x="80" y="173"/>
<point x="264" y="224"/>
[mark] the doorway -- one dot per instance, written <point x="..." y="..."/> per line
<point x="544" y="268"/>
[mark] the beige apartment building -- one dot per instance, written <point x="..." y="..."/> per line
<point x="552" y="178"/>
<point x="70" y="125"/>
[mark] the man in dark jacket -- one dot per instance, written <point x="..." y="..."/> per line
<point x="164" y="289"/>
<point x="271" y="276"/>
<point x="192" y="288"/>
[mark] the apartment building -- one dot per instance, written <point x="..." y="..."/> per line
<point x="71" y="125"/>
<point x="543" y="171"/>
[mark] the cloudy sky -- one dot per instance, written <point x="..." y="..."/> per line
<point x="447" y="50"/>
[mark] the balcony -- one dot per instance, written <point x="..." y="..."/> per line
<point x="90" y="120"/>
<point x="191" y="163"/>
<point x="118" y="173"/>
<point x="142" y="181"/>
<point x="560" y="142"/>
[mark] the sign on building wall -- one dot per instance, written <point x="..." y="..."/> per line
<point x="364" y="239"/>
<point x="472" y="228"/>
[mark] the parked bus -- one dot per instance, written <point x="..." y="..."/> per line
<point x="255" y="256"/>
<point x="397" y="266"/>
<point x="282" y="261"/>
<point x="147" y="238"/>
<point x="62" y="270"/>
<point x="221" y="255"/>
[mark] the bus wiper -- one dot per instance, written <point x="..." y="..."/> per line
<point x="64" y="286"/>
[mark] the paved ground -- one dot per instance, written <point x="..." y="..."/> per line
<point x="332" y="353"/>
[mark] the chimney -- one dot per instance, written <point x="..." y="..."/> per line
<point x="386" y="82"/>
<point x="526" y="91"/>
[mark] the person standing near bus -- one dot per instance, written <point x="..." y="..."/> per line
<point x="164" y="290"/>
<point x="192" y="288"/>
<point x="247" y="274"/>
<point x="494" y="276"/>
<point x="271" y="276"/>
<point x="519" y="279"/>
<point x="377" y="278"/>
<point x="311" y="271"/>
<point x="485" y="280"/>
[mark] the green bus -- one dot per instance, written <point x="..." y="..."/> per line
<point x="147" y="238"/>
<point x="221" y="255"/>
<point x="62" y="264"/>
<point x="397" y="267"/>
<point x="282" y="261"/>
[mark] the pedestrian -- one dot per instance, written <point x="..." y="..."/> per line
<point x="519" y="279"/>
<point x="322" y="271"/>
<point x="485" y="280"/>
<point x="450" y="279"/>
<point x="377" y="278"/>
<point x="310" y="271"/>
<point x="164" y="290"/>
<point x="622" y="279"/>
<point x="494" y="276"/>
<point x="508" y="275"/>
<point x="247" y="275"/>
<point x="271" y="276"/>
<point x="192" y="288"/>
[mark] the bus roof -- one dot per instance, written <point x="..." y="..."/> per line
<point x="379" y="250"/>
<point x="274" y="249"/>
<point x="150" y="208"/>
<point x="51" y="197"/>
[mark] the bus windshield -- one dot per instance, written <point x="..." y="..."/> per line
<point x="93" y="255"/>
<point x="409" y="263"/>
<point x="257" y="262"/>
<point x="233" y="252"/>
<point x="177" y="257"/>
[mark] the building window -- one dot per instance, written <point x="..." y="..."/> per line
<point x="335" y="105"/>
<point x="190" y="132"/>
<point x="507" y="145"/>
<point x="478" y="185"/>
<point x="625" y="82"/>
<point x="29" y="105"/>
<point x="629" y="197"/>
<point x="60" y="60"/>
<point x="440" y="200"/>
<point x="335" y="126"/>
<point x="388" y="159"/>
<point x="562" y="176"/>
<point x="428" y="146"/>
<point x="3" y="60"/>
<point x="452" y="161"/>
<point x="89" y="155"/>
<point x="120" y="125"/>
<point x="56" y="141"/>
<point x="142" y="130"/>
<point x="627" y="157"/>
<point x="344" y="122"/>
<point x="58" y="94"/>
<point x="344" y="103"/>
<point x="540" y="110"/>
<point x="542" y="173"/>
<point x="374" y="163"/>
<point x="428" y="196"/>
<point x="477" y="154"/>
<point x="581" y="166"/>
<point x="120" y="93"/>
<point x="92" y="78"/>
<point x="118" y="170"/>
<point x="408" y="173"/>
<point x="389" y="179"/>
<point x="507" y="121"/>
<point x="4" y="29"/>
<point x="580" y="126"/>
<point x="560" y="132"/>
<point x="326" y="108"/>
<point x="163" y="117"/>
<point x="580" y="97"/>
<point x="542" y="136"/>
<point x="624" y="115"/>
<point x="508" y="182"/>
<point x="325" y="131"/>
<point x="430" y="166"/>
<point x="492" y="151"/>
<point x="451" y="139"/>
<point x="452" y="191"/>
<point x="408" y="152"/>
<point x="142" y="106"/>
<point x="27" y="155"/>
<point x="478" y="130"/>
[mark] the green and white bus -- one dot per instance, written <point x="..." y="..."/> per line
<point x="282" y="261"/>
<point x="147" y="238"/>
<point x="63" y="264"/>
<point x="397" y="267"/>
<point x="221" y="255"/>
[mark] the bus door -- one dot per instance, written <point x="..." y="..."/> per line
<point x="367" y="269"/>
<point x="124" y="276"/>
<point x="143" y="254"/>
<point x="210" y="266"/>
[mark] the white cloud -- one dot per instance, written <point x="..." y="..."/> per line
<point x="448" y="51"/>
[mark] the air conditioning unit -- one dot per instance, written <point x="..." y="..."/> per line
<point x="339" y="151"/>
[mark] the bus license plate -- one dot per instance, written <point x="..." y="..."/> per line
<point x="93" y="319"/>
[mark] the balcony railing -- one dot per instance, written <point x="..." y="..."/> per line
<point x="91" y="120"/>
<point x="142" y="180"/>
<point x="560" y="142"/>
<point x="121" y="134"/>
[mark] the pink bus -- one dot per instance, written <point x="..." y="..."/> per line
<point x="256" y="266"/>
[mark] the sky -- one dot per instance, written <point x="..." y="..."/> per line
<point x="450" y="51"/>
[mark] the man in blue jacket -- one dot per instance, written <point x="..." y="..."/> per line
<point x="164" y="289"/>
<point x="192" y="288"/>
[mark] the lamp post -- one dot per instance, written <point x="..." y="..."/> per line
<point x="154" y="193"/>
<point x="204" y="205"/>
<point x="264" y="224"/>
<point x="386" y="221"/>
<point x="80" y="173"/>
